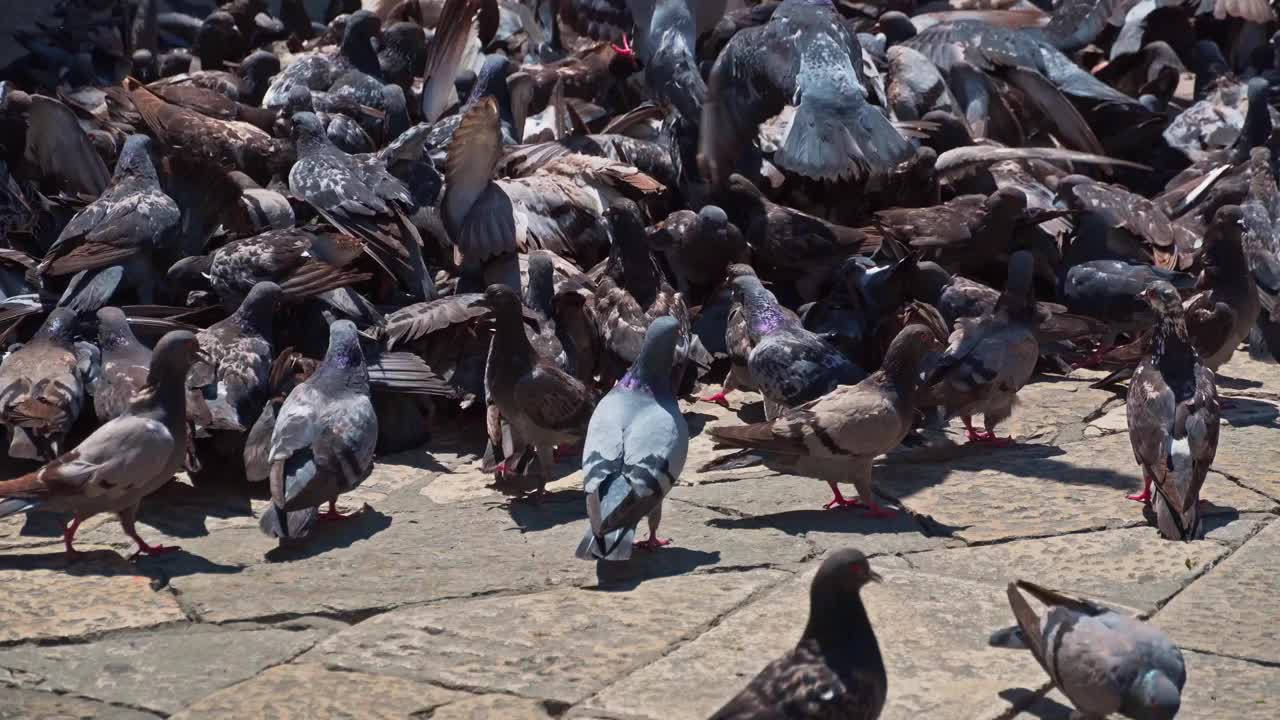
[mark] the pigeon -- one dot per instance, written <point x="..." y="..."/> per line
<point x="1225" y="280"/>
<point x="804" y="53"/>
<point x="835" y="671"/>
<point x="837" y="436"/>
<point x="636" y="446"/>
<point x="323" y="439"/>
<point x="698" y="247"/>
<point x="788" y="365"/>
<point x="42" y="388"/>
<point x="737" y="338"/>
<point x="124" y="460"/>
<point x="319" y="71"/>
<point x="125" y="365"/>
<point x="545" y="406"/>
<point x="668" y="51"/>
<point x="231" y="381"/>
<point x="1103" y="661"/>
<point x="1173" y="418"/>
<point x="132" y="217"/>
<point x="989" y="358"/>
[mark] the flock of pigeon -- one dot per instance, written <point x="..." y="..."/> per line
<point x="570" y="213"/>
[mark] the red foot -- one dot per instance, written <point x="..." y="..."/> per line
<point x="877" y="512"/>
<point x="989" y="439"/>
<point x="719" y="399"/>
<point x="69" y="536"/>
<point x="332" y="514"/>
<point x="653" y="543"/>
<point x="500" y="472"/>
<point x="1142" y="497"/>
<point x="1093" y="360"/>
<point x="842" y="502"/>
<point x="145" y="549"/>
<point x="625" y="50"/>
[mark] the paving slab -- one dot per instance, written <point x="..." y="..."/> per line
<point x="425" y="552"/>
<point x="1051" y="410"/>
<point x="932" y="632"/>
<point x="1217" y="688"/>
<point x="44" y="597"/>
<point x="19" y="704"/>
<point x="1246" y="377"/>
<point x="159" y="671"/>
<point x="559" y="645"/>
<point x="304" y="691"/>
<point x="1128" y="566"/>
<point x="1233" y="610"/>
<point x="1039" y="491"/>
<point x="1250" y="454"/>
<point x="495" y="707"/>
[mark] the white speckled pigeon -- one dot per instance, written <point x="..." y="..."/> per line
<point x="232" y="385"/>
<point x="323" y="441"/>
<point x="1173" y="418"/>
<point x="122" y="461"/>
<point x="1104" y="662"/>
<point x="635" y="449"/>
<point x="836" y="671"/>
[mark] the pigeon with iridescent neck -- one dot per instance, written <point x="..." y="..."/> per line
<point x="636" y="446"/>
<point x="788" y="364"/>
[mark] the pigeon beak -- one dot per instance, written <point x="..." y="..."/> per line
<point x="874" y="576"/>
<point x="203" y="355"/>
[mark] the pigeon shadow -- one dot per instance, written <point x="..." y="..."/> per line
<point x="110" y="563"/>
<point x="327" y="536"/>
<point x="697" y="421"/>
<point x="752" y="412"/>
<point x="650" y="565"/>
<point x="560" y="507"/>
<point x="1247" y="412"/>
<point x="1234" y="383"/>
<point x="182" y="511"/>
<point x="1032" y="703"/>
<point x="842" y="520"/>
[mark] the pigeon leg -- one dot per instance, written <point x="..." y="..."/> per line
<point x="69" y="536"/>
<point x="1094" y="359"/>
<point x="718" y="398"/>
<point x="1145" y="495"/>
<point x="653" y="542"/>
<point x="126" y="520"/>
<point x="971" y="433"/>
<point x="838" y="499"/>
<point x="989" y="438"/>
<point x="332" y="513"/>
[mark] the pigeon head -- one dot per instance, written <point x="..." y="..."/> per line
<point x="907" y="352"/>
<point x="896" y="26"/>
<point x="357" y="43"/>
<point x="835" y="595"/>
<point x="502" y="300"/>
<point x="1162" y="298"/>
<point x="713" y="217"/>
<point x="308" y="131"/>
<point x="405" y="37"/>
<point x="113" y="329"/>
<point x="1017" y="287"/>
<point x="1152" y="697"/>
<point x="1223" y="244"/>
<point x="59" y="327"/>
<point x="540" y="287"/>
<point x="259" y="306"/>
<point x="135" y="159"/>
<point x="344" y="354"/>
<point x="172" y="358"/>
<point x="1007" y="201"/>
<point x="949" y="133"/>
<point x="1066" y="190"/>
<point x="255" y="74"/>
<point x="218" y="40"/>
<point x="652" y="368"/>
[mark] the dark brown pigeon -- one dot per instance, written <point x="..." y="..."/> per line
<point x="835" y="672"/>
<point x="42" y="388"/>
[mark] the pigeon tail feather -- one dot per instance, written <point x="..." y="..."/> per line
<point x="615" y="545"/>
<point x="287" y="525"/>
<point x="13" y="506"/>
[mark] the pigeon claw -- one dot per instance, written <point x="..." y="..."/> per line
<point x="332" y="514"/>
<point x="989" y="439"/>
<point x="840" y="501"/>
<point x="877" y="512"/>
<point x="1142" y="497"/>
<point x="625" y="49"/>
<point x="149" y="550"/>
<point x="719" y="399"/>
<point x="653" y="543"/>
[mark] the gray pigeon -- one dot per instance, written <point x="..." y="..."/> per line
<point x="124" y="460"/>
<point x="788" y="364"/>
<point x="635" y="449"/>
<point x="125" y="365"/>
<point x="990" y="358"/>
<point x="545" y="406"/>
<point x="232" y="383"/>
<point x="42" y="388"/>
<point x="1104" y="662"/>
<point x="323" y="440"/>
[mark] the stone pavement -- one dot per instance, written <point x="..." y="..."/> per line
<point x="442" y="599"/>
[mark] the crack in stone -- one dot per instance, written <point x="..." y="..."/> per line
<point x="89" y="698"/>
<point x="92" y="637"/>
